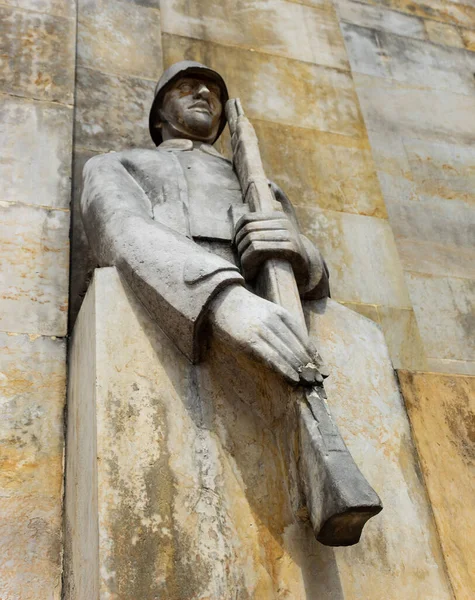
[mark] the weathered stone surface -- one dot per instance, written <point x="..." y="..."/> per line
<point x="120" y="37"/>
<point x="435" y="236"/>
<point x="370" y="311"/>
<point x="443" y="365"/>
<point x="37" y="55"/>
<point x="441" y="169"/>
<point x="112" y="111"/>
<point x="377" y="17"/>
<point x="60" y="8"/>
<point x="357" y="272"/>
<point x="409" y="61"/>
<point x="468" y="37"/>
<point x="34" y="261"/>
<point x="284" y="28"/>
<point x="202" y="510"/>
<point x="441" y="10"/>
<point x="32" y="389"/>
<point x="444" y="34"/>
<point x="436" y="259"/>
<point x="35" y="166"/>
<point x="442" y="414"/>
<point x="324" y="4"/>
<point x="275" y="88"/>
<point x="445" y="312"/>
<point x="432" y="115"/>
<point x="401" y="334"/>
<point x="319" y="169"/>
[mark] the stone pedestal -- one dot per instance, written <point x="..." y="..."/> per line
<point x="181" y="479"/>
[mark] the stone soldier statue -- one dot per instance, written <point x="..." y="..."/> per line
<point x="165" y="218"/>
<point x="174" y="224"/>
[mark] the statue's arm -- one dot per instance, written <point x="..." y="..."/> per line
<point x="172" y="276"/>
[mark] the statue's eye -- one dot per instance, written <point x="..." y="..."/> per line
<point x="214" y="89"/>
<point x="185" y="87"/>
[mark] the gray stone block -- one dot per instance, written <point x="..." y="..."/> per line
<point x="120" y="37"/>
<point x="38" y="55"/>
<point x="34" y="264"/>
<point x="102" y="100"/>
<point x="381" y="18"/>
<point x="35" y="163"/>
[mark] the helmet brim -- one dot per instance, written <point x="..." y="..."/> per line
<point x="189" y="69"/>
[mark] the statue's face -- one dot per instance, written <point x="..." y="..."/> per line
<point x="191" y="109"/>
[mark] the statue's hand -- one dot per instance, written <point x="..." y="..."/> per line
<point x="261" y="236"/>
<point x="263" y="329"/>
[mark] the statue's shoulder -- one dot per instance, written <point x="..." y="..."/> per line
<point x="133" y="157"/>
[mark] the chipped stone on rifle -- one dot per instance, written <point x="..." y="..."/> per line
<point x="309" y="373"/>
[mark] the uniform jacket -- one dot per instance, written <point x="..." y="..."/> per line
<point x="165" y="219"/>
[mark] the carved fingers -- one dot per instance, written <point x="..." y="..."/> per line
<point x="264" y="330"/>
<point x="259" y="237"/>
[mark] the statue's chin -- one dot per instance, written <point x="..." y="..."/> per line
<point x="199" y="125"/>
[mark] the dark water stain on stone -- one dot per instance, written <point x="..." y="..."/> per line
<point x="460" y="419"/>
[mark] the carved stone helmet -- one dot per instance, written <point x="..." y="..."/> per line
<point x="184" y="68"/>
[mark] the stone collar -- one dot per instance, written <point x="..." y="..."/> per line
<point x="182" y="145"/>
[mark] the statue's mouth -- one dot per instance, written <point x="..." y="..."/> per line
<point x="201" y="106"/>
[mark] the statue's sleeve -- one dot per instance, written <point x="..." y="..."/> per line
<point x="318" y="284"/>
<point x="174" y="278"/>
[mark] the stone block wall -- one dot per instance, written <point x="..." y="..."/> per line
<point x="413" y="66"/>
<point x="364" y="110"/>
<point x="36" y="95"/>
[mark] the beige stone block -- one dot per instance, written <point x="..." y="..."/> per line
<point x="321" y="170"/>
<point x="442" y="33"/>
<point x="60" y="8"/>
<point x="322" y="4"/>
<point x="370" y="311"/>
<point x="121" y="38"/>
<point x="35" y="165"/>
<point x="277" y="27"/>
<point x="402" y="336"/>
<point x="278" y="89"/>
<point x="112" y="111"/>
<point x="454" y="12"/>
<point x="442" y="365"/>
<point x="435" y="236"/>
<point x="409" y="61"/>
<point x="442" y="169"/>
<point x="37" y="55"/>
<point x="436" y="259"/>
<point x="32" y="390"/>
<point x="468" y="37"/>
<point x="411" y="112"/>
<point x="191" y="485"/>
<point x="442" y="413"/>
<point x="361" y="256"/>
<point x="401" y="333"/>
<point x="34" y="264"/>
<point x="356" y="347"/>
<point x="378" y="17"/>
<point x="445" y="312"/>
<point x="392" y="165"/>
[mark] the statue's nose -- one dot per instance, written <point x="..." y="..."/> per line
<point x="202" y="91"/>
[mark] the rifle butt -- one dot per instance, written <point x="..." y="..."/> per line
<point x="339" y="499"/>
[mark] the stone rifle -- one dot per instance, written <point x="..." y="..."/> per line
<point x="339" y="499"/>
